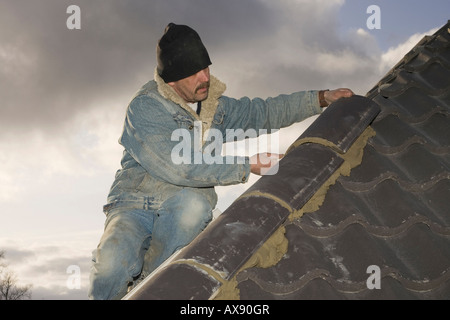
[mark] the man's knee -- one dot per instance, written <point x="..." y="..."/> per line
<point x="196" y="211"/>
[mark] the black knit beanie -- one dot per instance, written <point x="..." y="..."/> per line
<point x="180" y="53"/>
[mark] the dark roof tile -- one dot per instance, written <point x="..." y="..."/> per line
<point x="163" y="284"/>
<point x="436" y="199"/>
<point x="300" y="175"/>
<point x="232" y="238"/>
<point x="354" y="116"/>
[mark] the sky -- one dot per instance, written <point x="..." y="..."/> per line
<point x="64" y="93"/>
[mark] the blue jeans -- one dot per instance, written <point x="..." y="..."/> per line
<point x="134" y="236"/>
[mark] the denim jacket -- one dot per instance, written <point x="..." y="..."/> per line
<point x="149" y="176"/>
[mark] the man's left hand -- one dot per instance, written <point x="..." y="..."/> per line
<point x="333" y="95"/>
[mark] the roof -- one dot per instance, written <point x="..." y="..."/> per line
<point x="360" y="201"/>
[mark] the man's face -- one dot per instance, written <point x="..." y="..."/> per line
<point x="193" y="88"/>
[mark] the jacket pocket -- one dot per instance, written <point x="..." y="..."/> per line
<point x="219" y="116"/>
<point x="183" y="121"/>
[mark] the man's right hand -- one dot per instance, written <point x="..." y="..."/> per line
<point x="261" y="163"/>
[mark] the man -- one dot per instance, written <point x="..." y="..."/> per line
<point x="157" y="205"/>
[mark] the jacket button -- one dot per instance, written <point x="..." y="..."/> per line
<point x="191" y="127"/>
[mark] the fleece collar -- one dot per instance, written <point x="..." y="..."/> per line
<point x="209" y="106"/>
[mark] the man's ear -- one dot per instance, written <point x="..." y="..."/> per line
<point x="171" y="84"/>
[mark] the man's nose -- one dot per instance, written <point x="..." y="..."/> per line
<point x="203" y="75"/>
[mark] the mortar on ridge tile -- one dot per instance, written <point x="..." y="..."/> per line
<point x="273" y="250"/>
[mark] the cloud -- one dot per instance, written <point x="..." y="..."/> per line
<point x="53" y="74"/>
<point x="299" y="53"/>
<point x="44" y="262"/>
<point x="84" y="148"/>
<point x="394" y="54"/>
<point x="259" y="47"/>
